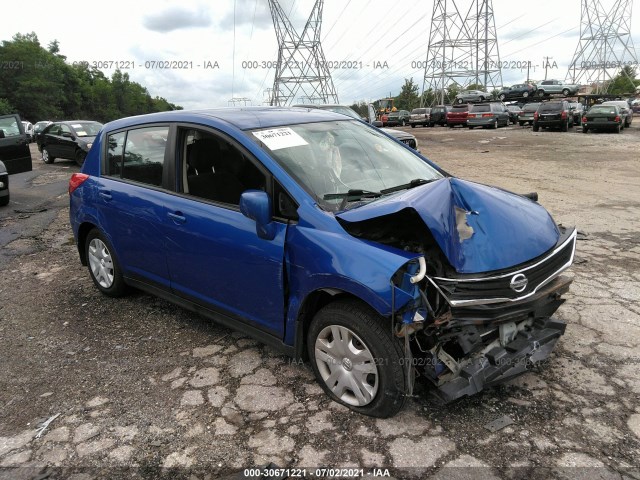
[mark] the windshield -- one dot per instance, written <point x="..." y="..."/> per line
<point x="86" y="129"/>
<point x="532" y="107"/>
<point x="336" y="157"/>
<point x="550" y="107"/>
<point x="610" y="110"/>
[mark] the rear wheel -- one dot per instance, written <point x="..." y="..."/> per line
<point x="103" y="266"/>
<point x="566" y="92"/>
<point x="585" y="129"/>
<point x="459" y="101"/>
<point x="565" y="126"/>
<point x="618" y="129"/>
<point x="46" y="157"/>
<point x="525" y="94"/>
<point x="502" y="96"/>
<point x="521" y="124"/>
<point x="4" y="201"/>
<point x="536" y="128"/>
<point x="413" y="125"/>
<point x="540" y="93"/>
<point x="470" y="127"/>
<point x="495" y="124"/>
<point x="356" y="359"/>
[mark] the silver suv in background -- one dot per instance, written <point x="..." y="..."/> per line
<point x="468" y="96"/>
<point x="420" y="116"/>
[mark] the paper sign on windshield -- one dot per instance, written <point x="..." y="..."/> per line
<point x="277" y="138"/>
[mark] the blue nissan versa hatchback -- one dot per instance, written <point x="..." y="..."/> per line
<point x="323" y="236"/>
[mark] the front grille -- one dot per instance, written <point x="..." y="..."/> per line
<point x="497" y="288"/>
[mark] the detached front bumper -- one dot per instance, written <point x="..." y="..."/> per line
<point x="504" y="363"/>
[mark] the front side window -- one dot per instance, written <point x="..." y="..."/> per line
<point x="217" y="170"/>
<point x="331" y="158"/>
<point x="9" y="126"/>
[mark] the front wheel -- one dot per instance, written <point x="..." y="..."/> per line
<point x="585" y="129"/>
<point x="536" y="128"/>
<point x="46" y="157"/>
<point x="80" y="156"/>
<point x="502" y="96"/>
<point x="459" y="101"/>
<point x="525" y="94"/>
<point x="356" y="359"/>
<point x="103" y="266"/>
<point x="565" y="126"/>
<point x="566" y="92"/>
<point x="413" y="125"/>
<point x="521" y="124"/>
<point x="4" y="201"/>
<point x="540" y="93"/>
<point x="403" y="123"/>
<point x="618" y="129"/>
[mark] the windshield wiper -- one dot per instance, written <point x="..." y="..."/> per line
<point x="352" y="195"/>
<point x="412" y="184"/>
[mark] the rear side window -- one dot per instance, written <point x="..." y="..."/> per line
<point x="138" y="154"/>
<point x="480" y="108"/>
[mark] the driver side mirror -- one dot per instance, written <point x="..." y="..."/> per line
<point x="256" y="205"/>
<point x="1" y="133"/>
<point x="377" y="123"/>
<point x="67" y="134"/>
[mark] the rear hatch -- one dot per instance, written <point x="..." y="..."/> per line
<point x="480" y="111"/>
<point x="550" y="112"/>
<point x="458" y="113"/>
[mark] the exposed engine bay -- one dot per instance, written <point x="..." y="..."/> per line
<point x="465" y="332"/>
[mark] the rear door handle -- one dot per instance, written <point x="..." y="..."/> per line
<point x="177" y="217"/>
<point x="106" y="195"/>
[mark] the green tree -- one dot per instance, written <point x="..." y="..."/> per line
<point x="5" y="107"/>
<point x="625" y="81"/>
<point x="408" y="98"/>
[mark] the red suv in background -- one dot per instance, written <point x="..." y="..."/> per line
<point x="457" y="115"/>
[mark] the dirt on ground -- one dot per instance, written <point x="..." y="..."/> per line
<point x="96" y="387"/>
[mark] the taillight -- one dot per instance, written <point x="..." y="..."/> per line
<point x="564" y="114"/>
<point x="535" y="116"/>
<point x="584" y="119"/>
<point x="487" y="114"/>
<point x="76" y="180"/>
<point x="618" y="118"/>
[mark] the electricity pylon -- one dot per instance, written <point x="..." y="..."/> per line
<point x="301" y="69"/>
<point x="605" y="44"/>
<point x="463" y="47"/>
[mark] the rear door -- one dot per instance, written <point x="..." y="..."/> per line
<point x="14" y="146"/>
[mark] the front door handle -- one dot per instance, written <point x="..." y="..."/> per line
<point x="177" y="217"/>
<point x="106" y="195"/>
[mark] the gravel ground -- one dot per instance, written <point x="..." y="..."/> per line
<point x="139" y="388"/>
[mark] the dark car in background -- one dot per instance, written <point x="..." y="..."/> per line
<point x="487" y="115"/>
<point x="399" y="117"/>
<point x="14" y="145"/>
<point x="457" y="115"/>
<point x="4" y="185"/>
<point x="420" y="116"/>
<point x="603" y="117"/>
<point x="527" y="114"/>
<point x="577" y="110"/>
<point x="625" y="110"/>
<point x="439" y="115"/>
<point x="38" y="127"/>
<point x="555" y="114"/>
<point x="514" y="111"/>
<point x="520" y="90"/>
<point x="70" y="139"/>
<point x="327" y="240"/>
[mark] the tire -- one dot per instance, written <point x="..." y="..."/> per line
<point x="481" y="99"/>
<point x="502" y="96"/>
<point x="565" y="126"/>
<point x="4" y="201"/>
<point x="450" y="125"/>
<point x="470" y="128"/>
<point x="104" y="268"/>
<point x="413" y="125"/>
<point x="521" y="124"/>
<point x="403" y="123"/>
<point x="525" y="94"/>
<point x="566" y="92"/>
<point x="366" y="343"/>
<point x="540" y="93"/>
<point x="494" y="126"/>
<point x="80" y="156"/>
<point x="585" y="129"/>
<point x="46" y="157"/>
<point x="617" y="130"/>
<point x="536" y="128"/>
<point x="459" y="101"/>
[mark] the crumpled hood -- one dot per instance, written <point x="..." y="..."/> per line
<point x="479" y="228"/>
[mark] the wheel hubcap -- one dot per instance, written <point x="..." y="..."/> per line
<point x="346" y="365"/>
<point x="100" y="263"/>
<point x="45" y="155"/>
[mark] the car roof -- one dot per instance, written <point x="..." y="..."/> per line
<point x="244" y="118"/>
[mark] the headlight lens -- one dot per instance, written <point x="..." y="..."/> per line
<point x="89" y="146"/>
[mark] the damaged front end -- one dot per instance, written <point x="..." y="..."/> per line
<point x="467" y="330"/>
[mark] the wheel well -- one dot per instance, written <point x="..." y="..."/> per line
<point x="312" y="304"/>
<point x="83" y="231"/>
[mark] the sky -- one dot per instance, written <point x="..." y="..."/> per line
<point x="218" y="50"/>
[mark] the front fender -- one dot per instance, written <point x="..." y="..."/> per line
<point x="317" y="259"/>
